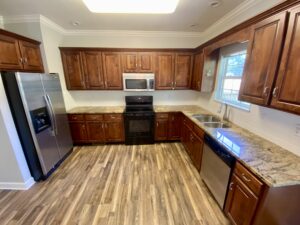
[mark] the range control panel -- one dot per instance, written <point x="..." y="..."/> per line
<point x="40" y="119"/>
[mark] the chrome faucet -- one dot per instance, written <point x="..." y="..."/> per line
<point x="226" y="111"/>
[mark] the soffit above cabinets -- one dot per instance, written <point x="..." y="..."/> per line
<point x="190" y="15"/>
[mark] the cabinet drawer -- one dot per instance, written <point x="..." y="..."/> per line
<point x="94" y="117"/>
<point x="162" y="115"/>
<point x="76" y="117"/>
<point x="248" y="178"/>
<point x="113" y="117"/>
<point x="198" y="131"/>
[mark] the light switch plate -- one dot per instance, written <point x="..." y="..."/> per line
<point x="298" y="130"/>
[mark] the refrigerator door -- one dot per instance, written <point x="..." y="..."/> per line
<point x="33" y="98"/>
<point x="62" y="131"/>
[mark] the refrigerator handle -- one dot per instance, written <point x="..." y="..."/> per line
<point x="50" y="114"/>
<point x="53" y="114"/>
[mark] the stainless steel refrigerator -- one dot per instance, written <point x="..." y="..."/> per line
<point x="38" y="109"/>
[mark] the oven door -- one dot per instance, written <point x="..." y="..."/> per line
<point x="139" y="128"/>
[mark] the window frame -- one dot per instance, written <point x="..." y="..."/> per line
<point x="225" y="52"/>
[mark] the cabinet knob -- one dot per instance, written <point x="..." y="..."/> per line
<point x="275" y="92"/>
<point x="25" y="60"/>
<point x="230" y="186"/>
<point x="266" y="91"/>
<point x="21" y="60"/>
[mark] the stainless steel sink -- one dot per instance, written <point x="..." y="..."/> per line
<point x="217" y="125"/>
<point x="203" y="118"/>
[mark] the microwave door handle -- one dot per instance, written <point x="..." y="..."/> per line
<point x="53" y="114"/>
<point x="50" y="114"/>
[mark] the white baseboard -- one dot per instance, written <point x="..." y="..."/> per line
<point x="17" y="186"/>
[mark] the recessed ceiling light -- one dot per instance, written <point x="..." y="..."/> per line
<point x="75" y="23"/>
<point x="215" y="3"/>
<point x="132" y="6"/>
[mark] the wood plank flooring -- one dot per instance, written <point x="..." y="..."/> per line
<point x="117" y="185"/>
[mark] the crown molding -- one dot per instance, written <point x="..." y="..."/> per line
<point x="241" y="11"/>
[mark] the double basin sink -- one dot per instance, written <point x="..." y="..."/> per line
<point x="211" y="121"/>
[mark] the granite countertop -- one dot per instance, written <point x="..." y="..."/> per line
<point x="96" y="109"/>
<point x="273" y="164"/>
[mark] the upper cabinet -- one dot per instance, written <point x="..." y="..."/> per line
<point x="112" y="70"/>
<point x="262" y="59"/>
<point x="93" y="71"/>
<point x="183" y="70"/>
<point x="173" y="70"/>
<point x="133" y="62"/>
<point x="197" y="71"/>
<point x="18" y="54"/>
<point x="286" y="93"/>
<point x="73" y="70"/>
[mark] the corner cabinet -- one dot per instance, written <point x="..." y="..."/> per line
<point x="197" y="71"/>
<point x="18" y="54"/>
<point x="286" y="93"/>
<point x="262" y="60"/>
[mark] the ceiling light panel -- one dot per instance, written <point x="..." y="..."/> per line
<point x="132" y="6"/>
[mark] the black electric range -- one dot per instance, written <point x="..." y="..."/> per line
<point x="139" y="119"/>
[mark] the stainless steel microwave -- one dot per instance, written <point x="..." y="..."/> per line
<point x="138" y="81"/>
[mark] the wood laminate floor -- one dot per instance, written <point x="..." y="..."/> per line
<point x="116" y="185"/>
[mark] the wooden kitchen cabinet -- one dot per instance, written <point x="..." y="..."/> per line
<point x="286" y="93"/>
<point x="197" y="71"/>
<point x="78" y="132"/>
<point x="161" y="126"/>
<point x="73" y="70"/>
<point x="31" y="54"/>
<point x="114" y="128"/>
<point x="243" y="196"/>
<point x="164" y="79"/>
<point x="133" y="62"/>
<point x="112" y="70"/>
<point x="183" y="70"/>
<point x="174" y="126"/>
<point x="19" y="55"/>
<point x="262" y="59"/>
<point x="93" y="70"/>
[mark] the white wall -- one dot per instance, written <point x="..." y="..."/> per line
<point x="1" y="22"/>
<point x="14" y="172"/>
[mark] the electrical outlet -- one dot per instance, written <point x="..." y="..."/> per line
<point x="298" y="130"/>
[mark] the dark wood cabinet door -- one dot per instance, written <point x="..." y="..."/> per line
<point x="78" y="132"/>
<point x="197" y="72"/>
<point x="10" y="57"/>
<point x="183" y="70"/>
<point x="161" y="129"/>
<point x="93" y="71"/>
<point x="164" y="71"/>
<point x="72" y="69"/>
<point x="32" y="58"/>
<point x="130" y="62"/>
<point x="145" y="62"/>
<point x="114" y="131"/>
<point x="286" y="94"/>
<point x="95" y="131"/>
<point x="262" y="60"/>
<point x="241" y="203"/>
<point x="196" y="151"/>
<point x="112" y="70"/>
<point x="175" y="126"/>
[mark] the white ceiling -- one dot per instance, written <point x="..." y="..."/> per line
<point x="64" y="12"/>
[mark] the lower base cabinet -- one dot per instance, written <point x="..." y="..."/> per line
<point x="168" y="126"/>
<point x="96" y="128"/>
<point x="243" y="196"/>
<point x="192" y="139"/>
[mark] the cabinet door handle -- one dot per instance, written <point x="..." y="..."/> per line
<point x="21" y="60"/>
<point x="175" y="84"/>
<point x="230" y="186"/>
<point x="266" y="91"/>
<point x="25" y="60"/>
<point x="275" y="92"/>
<point x="245" y="178"/>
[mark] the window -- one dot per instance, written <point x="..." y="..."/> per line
<point x="230" y="71"/>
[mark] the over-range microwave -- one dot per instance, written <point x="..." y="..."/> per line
<point x="138" y="81"/>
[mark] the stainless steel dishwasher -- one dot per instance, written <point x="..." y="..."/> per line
<point x="216" y="169"/>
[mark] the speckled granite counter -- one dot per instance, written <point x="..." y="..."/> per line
<point x="97" y="109"/>
<point x="273" y="164"/>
